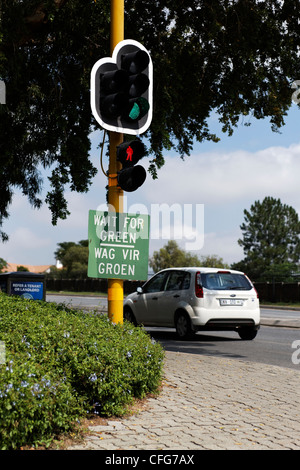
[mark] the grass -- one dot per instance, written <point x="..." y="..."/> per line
<point x="281" y="304"/>
<point x="84" y="294"/>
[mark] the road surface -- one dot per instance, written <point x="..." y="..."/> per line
<point x="272" y="345"/>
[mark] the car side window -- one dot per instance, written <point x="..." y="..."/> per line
<point x="155" y="284"/>
<point x="178" y="280"/>
<point x="186" y="281"/>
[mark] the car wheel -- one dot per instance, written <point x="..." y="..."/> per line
<point x="183" y="326"/>
<point x="247" y="333"/>
<point x="128" y="315"/>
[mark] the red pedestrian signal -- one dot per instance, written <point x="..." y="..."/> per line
<point x="129" y="153"/>
<point x="131" y="176"/>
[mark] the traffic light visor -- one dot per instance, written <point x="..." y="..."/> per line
<point x="135" y="62"/>
<point x="113" y="105"/>
<point x="130" y="179"/>
<point x="138" y="84"/>
<point x="116" y="80"/>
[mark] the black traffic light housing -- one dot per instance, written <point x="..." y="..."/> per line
<point x="121" y="89"/>
<point x="131" y="176"/>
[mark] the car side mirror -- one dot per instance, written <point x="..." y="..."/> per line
<point x="139" y="290"/>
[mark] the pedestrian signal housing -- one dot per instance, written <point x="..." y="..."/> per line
<point x="131" y="176"/>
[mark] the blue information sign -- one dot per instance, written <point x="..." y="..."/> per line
<point x="28" y="289"/>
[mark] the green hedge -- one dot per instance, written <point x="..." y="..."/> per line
<point x="61" y="364"/>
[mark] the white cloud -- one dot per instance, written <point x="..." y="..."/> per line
<point x="226" y="183"/>
<point x="78" y="206"/>
<point x="32" y="237"/>
<point x="221" y="178"/>
<point x="223" y="245"/>
<point x="26" y="238"/>
<point x="22" y="242"/>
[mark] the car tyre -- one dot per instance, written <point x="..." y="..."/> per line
<point x="128" y="315"/>
<point x="247" y="333"/>
<point x="183" y="326"/>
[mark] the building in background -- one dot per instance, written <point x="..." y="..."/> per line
<point x="13" y="267"/>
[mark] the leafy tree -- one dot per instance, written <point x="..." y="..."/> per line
<point x="55" y="273"/>
<point x="235" y="57"/>
<point x="270" y="240"/>
<point x="22" y="268"/>
<point x="3" y="264"/>
<point x="171" y="256"/>
<point x="75" y="262"/>
<point x="74" y="258"/>
<point x="63" y="247"/>
<point x="213" y="261"/>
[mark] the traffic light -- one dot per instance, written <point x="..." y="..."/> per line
<point x="131" y="176"/>
<point x="121" y="89"/>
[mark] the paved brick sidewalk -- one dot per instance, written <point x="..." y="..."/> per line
<point x="210" y="403"/>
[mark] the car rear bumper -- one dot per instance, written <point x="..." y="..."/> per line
<point x="230" y="324"/>
<point x="229" y="319"/>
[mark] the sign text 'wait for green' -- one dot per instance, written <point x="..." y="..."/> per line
<point x="118" y="245"/>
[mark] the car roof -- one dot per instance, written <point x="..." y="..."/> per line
<point x="203" y="269"/>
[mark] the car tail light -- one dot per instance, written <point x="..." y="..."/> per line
<point x="198" y="286"/>
<point x="224" y="272"/>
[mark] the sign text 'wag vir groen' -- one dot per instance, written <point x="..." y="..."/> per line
<point x="118" y="245"/>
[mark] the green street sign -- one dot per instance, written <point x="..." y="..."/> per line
<point x="118" y="245"/>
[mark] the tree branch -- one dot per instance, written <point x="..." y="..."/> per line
<point x="39" y="16"/>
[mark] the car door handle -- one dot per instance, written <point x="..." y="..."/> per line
<point x="176" y="295"/>
<point x="154" y="298"/>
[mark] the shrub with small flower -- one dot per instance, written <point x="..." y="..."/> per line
<point x="61" y="364"/>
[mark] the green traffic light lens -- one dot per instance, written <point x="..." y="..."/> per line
<point x="139" y="109"/>
<point x="134" y="112"/>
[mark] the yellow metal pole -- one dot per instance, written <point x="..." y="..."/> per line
<point x="117" y="23"/>
<point x="115" y="194"/>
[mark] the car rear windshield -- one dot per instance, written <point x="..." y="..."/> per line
<point x="225" y="281"/>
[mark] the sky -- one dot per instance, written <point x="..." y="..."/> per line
<point x="199" y="202"/>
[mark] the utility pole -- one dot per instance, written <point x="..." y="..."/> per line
<point x="115" y="193"/>
<point x="121" y="102"/>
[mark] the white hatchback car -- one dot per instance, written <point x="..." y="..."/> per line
<point x="193" y="299"/>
